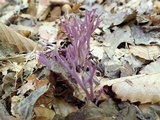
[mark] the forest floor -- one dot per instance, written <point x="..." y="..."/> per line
<point x="79" y="60"/>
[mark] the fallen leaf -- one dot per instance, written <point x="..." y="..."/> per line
<point x="88" y="112"/>
<point x="60" y="2"/>
<point x="119" y="18"/>
<point x="151" y="68"/>
<point x="28" y="86"/>
<point x="157" y="6"/>
<point x="24" y="30"/>
<point x="8" y="85"/>
<point x="112" y="41"/>
<point x="55" y="13"/>
<point x="127" y="70"/>
<point x="109" y="107"/>
<point x="154" y="19"/>
<point x="146" y="52"/>
<point x="66" y="8"/>
<point x="10" y="15"/>
<point x="128" y="113"/>
<point x="24" y="108"/>
<point x="31" y="8"/>
<point x="141" y="37"/>
<point x="138" y="88"/>
<point x="75" y="8"/>
<point x="4" y="116"/>
<point x="14" y="102"/>
<point x="145" y="7"/>
<point x="46" y="113"/>
<point x="150" y="110"/>
<point x="63" y="108"/>
<point x="15" y="41"/>
<point x="97" y="49"/>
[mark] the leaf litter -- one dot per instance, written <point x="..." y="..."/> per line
<point x="111" y="61"/>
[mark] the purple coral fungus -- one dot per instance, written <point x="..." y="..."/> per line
<point x="77" y="53"/>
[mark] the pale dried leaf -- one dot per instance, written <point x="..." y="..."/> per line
<point x="25" y="3"/>
<point x="15" y="41"/>
<point x="43" y="5"/>
<point x="133" y="4"/>
<point x="141" y="37"/>
<point x="3" y="108"/>
<point x="24" y="30"/>
<point x="14" y="58"/>
<point x="143" y="89"/>
<point x="119" y="18"/>
<point x="3" y="116"/>
<point x="139" y="88"/>
<point x="24" y="109"/>
<point x="151" y="68"/>
<point x="147" y="108"/>
<point x="97" y="49"/>
<point x="146" y="52"/>
<point x="157" y="6"/>
<point x="113" y="40"/>
<point x="66" y="8"/>
<point x="26" y="87"/>
<point x="60" y="1"/>
<point x="63" y="108"/>
<point x="48" y="31"/>
<point x="30" y="65"/>
<point x="31" y="8"/>
<point x="79" y="93"/>
<point x="44" y="15"/>
<point x="55" y="13"/>
<point x="126" y="70"/>
<point x="145" y="7"/>
<point x="89" y="112"/>
<point x="14" y="102"/>
<point x="4" y="68"/>
<point x="9" y="15"/>
<point x="47" y="113"/>
<point x="8" y="84"/>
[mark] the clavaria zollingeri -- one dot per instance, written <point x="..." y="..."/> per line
<point x="75" y="57"/>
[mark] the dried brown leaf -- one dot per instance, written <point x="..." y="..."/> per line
<point x="63" y="108"/>
<point x="88" y="112"/>
<point x="139" y="36"/>
<point x="147" y="108"/>
<point x="66" y="8"/>
<point x="43" y="5"/>
<point x="9" y="14"/>
<point x="54" y="13"/>
<point x="15" y="41"/>
<point x="24" y="108"/>
<point x="3" y="116"/>
<point x="31" y="8"/>
<point x="145" y="7"/>
<point x="46" y="113"/>
<point x="146" y="52"/>
<point x="151" y="68"/>
<point x="113" y="40"/>
<point x="8" y="85"/>
<point x="60" y="2"/>
<point x="157" y="6"/>
<point x="97" y="49"/>
<point x="139" y="88"/>
<point x="119" y="18"/>
<point x="75" y="8"/>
